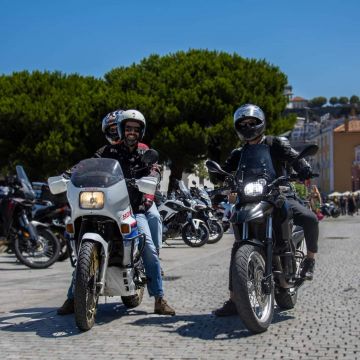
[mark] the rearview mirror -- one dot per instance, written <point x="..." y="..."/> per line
<point x="150" y="157"/>
<point x="214" y="167"/>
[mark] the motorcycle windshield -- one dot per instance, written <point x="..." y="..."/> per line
<point x="97" y="172"/>
<point x="184" y="190"/>
<point x="27" y="189"/>
<point x="256" y="163"/>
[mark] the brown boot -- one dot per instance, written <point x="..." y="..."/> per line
<point x="162" y="307"/>
<point x="67" y="307"/>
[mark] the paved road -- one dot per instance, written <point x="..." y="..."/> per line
<point x="324" y="325"/>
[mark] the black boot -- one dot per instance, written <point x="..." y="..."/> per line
<point x="67" y="307"/>
<point x="228" y="309"/>
<point x="308" y="267"/>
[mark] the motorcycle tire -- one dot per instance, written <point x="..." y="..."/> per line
<point x="44" y="255"/>
<point x="255" y="308"/>
<point x="195" y="239"/>
<point x="286" y="298"/>
<point x="64" y="251"/>
<point x="85" y="293"/>
<point x="216" y="232"/>
<point x="335" y="213"/>
<point x="133" y="301"/>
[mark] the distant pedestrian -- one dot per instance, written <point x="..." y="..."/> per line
<point x="342" y="205"/>
<point x="351" y="207"/>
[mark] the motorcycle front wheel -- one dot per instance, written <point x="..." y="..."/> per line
<point x="216" y="232"/>
<point x="85" y="294"/>
<point x="197" y="237"/>
<point x="254" y="307"/>
<point x="40" y="255"/>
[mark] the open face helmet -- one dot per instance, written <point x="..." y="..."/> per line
<point x="109" y="126"/>
<point x="133" y="116"/>
<point x="249" y="122"/>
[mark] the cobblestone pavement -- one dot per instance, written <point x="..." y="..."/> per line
<point x="324" y="325"/>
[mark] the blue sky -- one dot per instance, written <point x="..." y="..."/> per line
<point x="316" y="43"/>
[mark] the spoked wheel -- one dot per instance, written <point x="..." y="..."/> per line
<point x="195" y="237"/>
<point x="255" y="308"/>
<point x="216" y="232"/>
<point x="64" y="252"/>
<point x="86" y="295"/>
<point x="39" y="255"/>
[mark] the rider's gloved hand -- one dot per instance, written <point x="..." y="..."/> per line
<point x="305" y="174"/>
<point x="148" y="201"/>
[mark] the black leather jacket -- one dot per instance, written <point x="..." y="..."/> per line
<point x="281" y="153"/>
<point x="130" y="162"/>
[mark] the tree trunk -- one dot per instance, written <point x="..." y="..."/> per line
<point x="175" y="175"/>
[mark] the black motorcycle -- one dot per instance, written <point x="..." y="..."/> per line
<point x="330" y="210"/>
<point x="54" y="211"/>
<point x="269" y="249"/>
<point x="33" y="243"/>
<point x="205" y="213"/>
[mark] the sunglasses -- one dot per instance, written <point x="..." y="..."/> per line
<point x="132" y="129"/>
<point x="248" y="123"/>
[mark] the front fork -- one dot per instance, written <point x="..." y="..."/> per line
<point x="267" y="280"/>
<point x="29" y="227"/>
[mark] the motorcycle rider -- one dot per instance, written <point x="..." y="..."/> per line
<point x="110" y="130"/>
<point x="249" y="123"/>
<point x="131" y="126"/>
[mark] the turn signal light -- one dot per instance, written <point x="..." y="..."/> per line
<point x="69" y="228"/>
<point x="125" y="228"/>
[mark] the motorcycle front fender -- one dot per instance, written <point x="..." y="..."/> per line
<point x="104" y="261"/>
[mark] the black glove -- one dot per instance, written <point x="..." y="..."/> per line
<point x="305" y="174"/>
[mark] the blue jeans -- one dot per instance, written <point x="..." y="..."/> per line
<point x="154" y="219"/>
<point x="150" y="259"/>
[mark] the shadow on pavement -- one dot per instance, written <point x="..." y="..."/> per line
<point x="206" y="326"/>
<point x="44" y="322"/>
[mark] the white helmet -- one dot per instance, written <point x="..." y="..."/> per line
<point x="131" y="115"/>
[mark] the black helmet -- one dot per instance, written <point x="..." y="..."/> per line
<point x="109" y="126"/>
<point x="249" y="130"/>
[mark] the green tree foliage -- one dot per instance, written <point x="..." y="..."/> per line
<point x="48" y="120"/>
<point x="333" y="100"/>
<point x="317" y="102"/>
<point x="343" y="100"/>
<point x="354" y="100"/>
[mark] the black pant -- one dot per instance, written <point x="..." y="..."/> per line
<point x="303" y="217"/>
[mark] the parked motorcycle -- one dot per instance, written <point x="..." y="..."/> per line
<point x="219" y="203"/>
<point x="330" y="210"/>
<point x="54" y="211"/>
<point x="105" y="235"/>
<point x="267" y="262"/>
<point x="205" y="213"/>
<point x="178" y="218"/>
<point x="32" y="241"/>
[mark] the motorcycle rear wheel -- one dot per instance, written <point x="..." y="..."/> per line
<point x="86" y="294"/>
<point x="254" y="307"/>
<point x="39" y="256"/>
<point x="216" y="232"/>
<point x="196" y="238"/>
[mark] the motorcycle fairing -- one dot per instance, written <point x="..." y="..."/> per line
<point x="252" y="211"/>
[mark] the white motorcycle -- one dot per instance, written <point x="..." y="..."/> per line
<point x="104" y="234"/>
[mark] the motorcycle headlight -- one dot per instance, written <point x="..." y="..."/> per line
<point x="91" y="200"/>
<point x="255" y="188"/>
